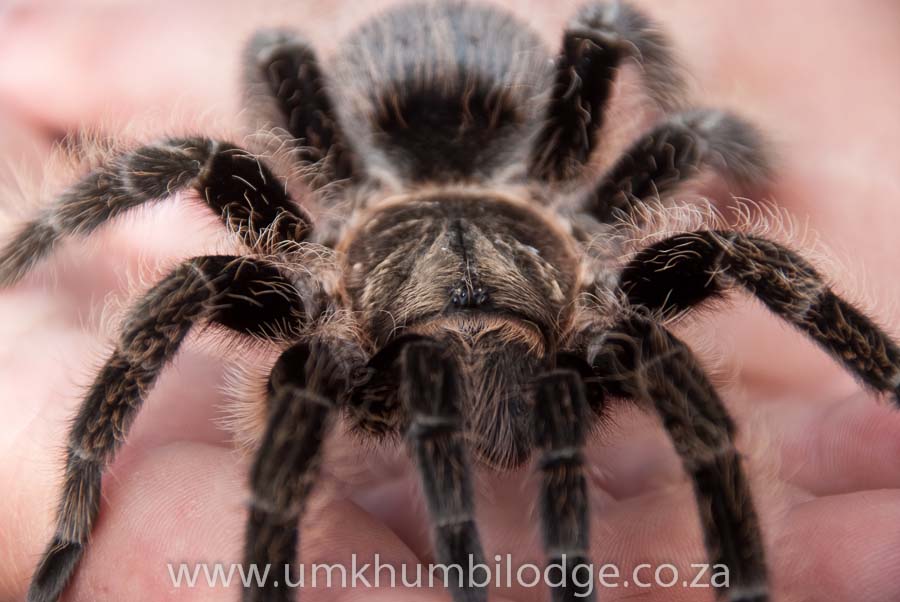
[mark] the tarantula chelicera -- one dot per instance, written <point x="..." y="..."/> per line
<point x="463" y="303"/>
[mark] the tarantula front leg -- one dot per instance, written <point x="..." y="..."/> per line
<point x="243" y="294"/>
<point x="430" y="392"/>
<point x="598" y="40"/>
<point x="640" y="359"/>
<point x="308" y="382"/>
<point x="673" y="153"/>
<point x="235" y="184"/>
<point x="286" y="86"/>
<point x="675" y="274"/>
<point x="560" y="414"/>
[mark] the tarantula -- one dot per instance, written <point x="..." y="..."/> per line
<point x="465" y="305"/>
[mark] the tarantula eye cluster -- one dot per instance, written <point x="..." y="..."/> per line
<point x="461" y="296"/>
<point x="452" y="306"/>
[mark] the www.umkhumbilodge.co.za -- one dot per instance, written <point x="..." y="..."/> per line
<point x="584" y="578"/>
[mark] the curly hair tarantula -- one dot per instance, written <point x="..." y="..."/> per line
<point x="465" y="306"/>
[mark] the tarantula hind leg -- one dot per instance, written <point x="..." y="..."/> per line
<point x="306" y="386"/>
<point x="286" y="87"/>
<point x="429" y="389"/>
<point x="560" y="415"/>
<point x="680" y="272"/>
<point x="241" y="293"/>
<point x="640" y="359"/>
<point x="598" y="40"/>
<point x="233" y="183"/>
<point x="672" y="154"/>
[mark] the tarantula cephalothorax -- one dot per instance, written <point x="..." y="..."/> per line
<point x="463" y="301"/>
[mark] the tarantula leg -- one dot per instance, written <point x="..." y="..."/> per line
<point x="236" y="185"/>
<point x="677" y="273"/>
<point x="284" y="79"/>
<point x="243" y="294"/>
<point x="430" y="390"/>
<point x="560" y="414"/>
<point x="673" y="153"/>
<point x="595" y="44"/>
<point x="642" y="360"/>
<point x="306" y="385"/>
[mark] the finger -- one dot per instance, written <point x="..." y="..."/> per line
<point x="839" y="447"/>
<point x="841" y="548"/>
<point x="630" y="455"/>
<point x="823" y="447"/>
<point x="73" y="66"/>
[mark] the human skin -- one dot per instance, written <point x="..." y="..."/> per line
<point x="821" y="78"/>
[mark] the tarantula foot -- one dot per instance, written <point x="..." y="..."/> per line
<point x="752" y="594"/>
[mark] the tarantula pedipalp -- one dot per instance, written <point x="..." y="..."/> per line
<point x="453" y="132"/>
